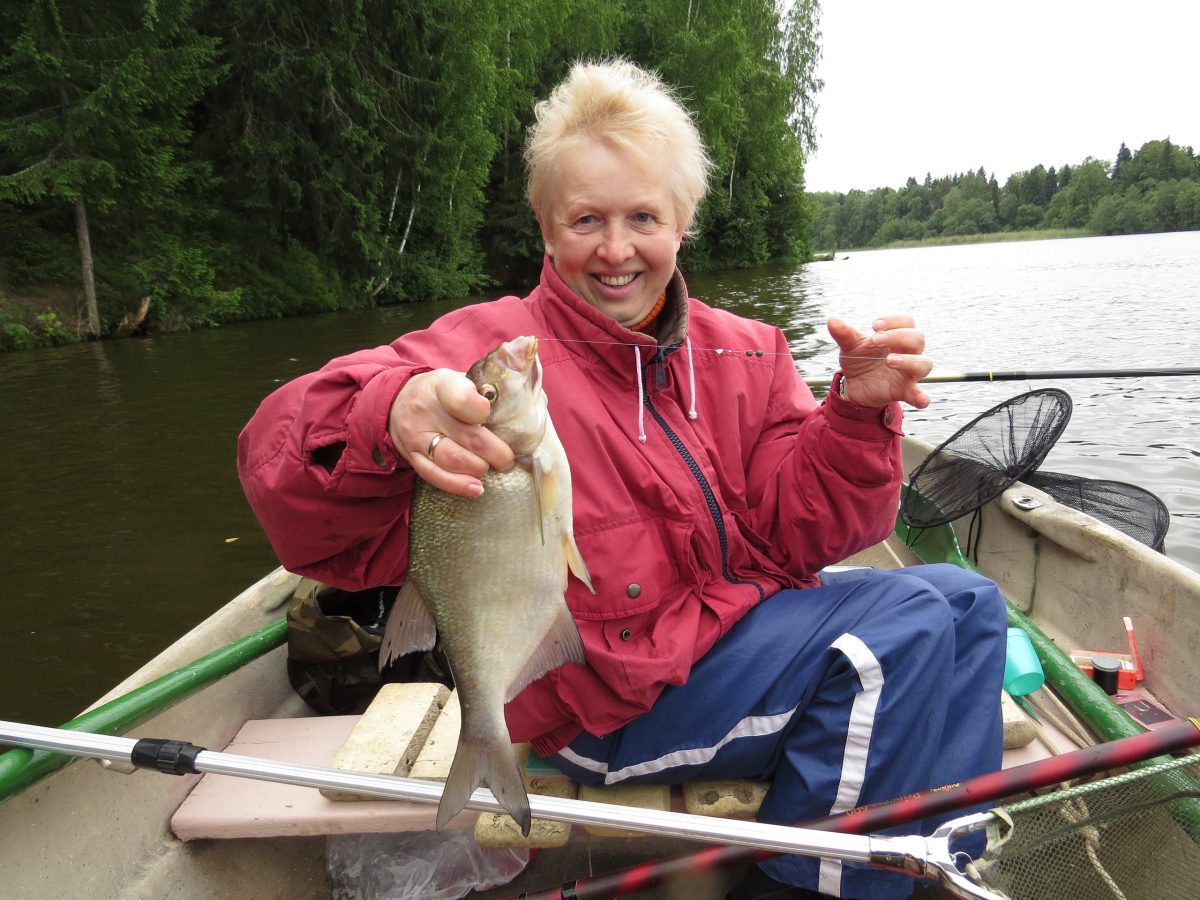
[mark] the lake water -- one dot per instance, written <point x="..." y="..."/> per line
<point x="123" y="523"/>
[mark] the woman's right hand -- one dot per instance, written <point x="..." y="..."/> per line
<point x="444" y="402"/>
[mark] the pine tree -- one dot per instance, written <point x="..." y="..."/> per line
<point x="95" y="101"/>
<point x="1123" y="156"/>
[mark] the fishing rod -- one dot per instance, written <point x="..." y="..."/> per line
<point x="903" y="810"/>
<point x="1039" y="375"/>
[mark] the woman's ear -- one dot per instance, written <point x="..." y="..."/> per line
<point x="547" y="239"/>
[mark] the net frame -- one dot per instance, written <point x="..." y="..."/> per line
<point x="1133" y="835"/>
<point x="981" y="460"/>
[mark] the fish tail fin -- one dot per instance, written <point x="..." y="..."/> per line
<point x="492" y="763"/>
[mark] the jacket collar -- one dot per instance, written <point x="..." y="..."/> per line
<point x="591" y="336"/>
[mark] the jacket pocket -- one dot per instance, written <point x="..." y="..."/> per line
<point x="635" y="567"/>
<point x="639" y="630"/>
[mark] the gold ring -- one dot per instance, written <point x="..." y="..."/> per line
<point x="433" y="445"/>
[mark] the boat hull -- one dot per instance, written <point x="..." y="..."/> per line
<point x="87" y="832"/>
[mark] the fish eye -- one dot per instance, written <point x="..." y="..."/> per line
<point x="489" y="392"/>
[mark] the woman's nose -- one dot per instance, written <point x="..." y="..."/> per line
<point x="615" y="247"/>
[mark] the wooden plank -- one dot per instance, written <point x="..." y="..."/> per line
<point x="390" y="734"/>
<point x="500" y="830"/>
<point x="433" y="762"/>
<point x="725" y="798"/>
<point x="647" y="796"/>
<point x="222" y="806"/>
<point x="1018" y="730"/>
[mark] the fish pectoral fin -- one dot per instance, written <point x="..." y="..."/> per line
<point x="545" y="489"/>
<point x="410" y="626"/>
<point x="562" y="644"/>
<point x="575" y="560"/>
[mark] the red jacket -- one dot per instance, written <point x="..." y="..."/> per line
<point x="682" y="533"/>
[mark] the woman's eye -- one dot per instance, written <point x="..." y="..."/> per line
<point x="643" y="218"/>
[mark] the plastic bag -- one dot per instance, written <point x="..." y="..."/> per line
<point x="416" y="865"/>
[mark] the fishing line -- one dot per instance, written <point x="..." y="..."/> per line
<point x="987" y="375"/>
<point x="720" y="351"/>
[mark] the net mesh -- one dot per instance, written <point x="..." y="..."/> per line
<point x="1126" y="507"/>
<point x="983" y="458"/>
<point x="1132" y="836"/>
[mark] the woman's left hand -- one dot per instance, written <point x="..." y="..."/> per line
<point x="883" y="366"/>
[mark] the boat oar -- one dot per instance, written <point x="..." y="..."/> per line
<point x="1039" y="375"/>
<point x="867" y="819"/>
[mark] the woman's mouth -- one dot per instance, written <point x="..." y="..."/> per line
<point x="616" y="280"/>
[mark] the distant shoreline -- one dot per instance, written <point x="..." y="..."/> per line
<point x="946" y="240"/>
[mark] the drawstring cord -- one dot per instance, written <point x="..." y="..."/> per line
<point x="637" y="351"/>
<point x="692" y="413"/>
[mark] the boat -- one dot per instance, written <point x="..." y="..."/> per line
<point x="79" y="830"/>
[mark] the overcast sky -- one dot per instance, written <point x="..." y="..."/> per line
<point x="943" y="86"/>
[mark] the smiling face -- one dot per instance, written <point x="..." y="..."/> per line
<point x="611" y="227"/>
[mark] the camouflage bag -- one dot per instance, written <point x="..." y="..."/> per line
<point x="333" y="647"/>
<point x="333" y="641"/>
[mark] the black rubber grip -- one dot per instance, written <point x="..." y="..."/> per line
<point x="169" y="757"/>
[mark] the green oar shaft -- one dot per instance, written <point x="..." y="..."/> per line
<point x="21" y="768"/>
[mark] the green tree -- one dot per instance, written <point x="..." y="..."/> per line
<point x="1187" y="205"/>
<point x="749" y="77"/>
<point x="1123" y="156"/>
<point x="1073" y="205"/>
<point x="967" y="215"/>
<point x="534" y="44"/>
<point x="1120" y="214"/>
<point x="353" y="141"/>
<point x="1029" y="216"/>
<point x="96" y="102"/>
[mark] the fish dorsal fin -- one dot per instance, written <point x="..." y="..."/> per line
<point x="575" y="560"/>
<point x="410" y="627"/>
<point x="562" y="644"/>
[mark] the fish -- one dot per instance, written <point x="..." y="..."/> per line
<point x="489" y="574"/>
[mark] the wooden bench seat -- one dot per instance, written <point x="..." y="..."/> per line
<point x="412" y="729"/>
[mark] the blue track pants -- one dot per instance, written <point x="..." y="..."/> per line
<point x="874" y="685"/>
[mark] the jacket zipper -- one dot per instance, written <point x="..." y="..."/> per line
<point x="714" y="510"/>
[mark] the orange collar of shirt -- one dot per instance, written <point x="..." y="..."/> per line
<point x="644" y="325"/>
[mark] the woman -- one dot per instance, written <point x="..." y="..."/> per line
<point x="710" y="489"/>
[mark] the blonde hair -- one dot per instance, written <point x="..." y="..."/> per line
<point x="618" y="102"/>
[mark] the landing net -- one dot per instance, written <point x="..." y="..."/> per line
<point x="1133" y="836"/>
<point x="1008" y="443"/>
<point x="1126" y="507"/>
<point x="984" y="457"/>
